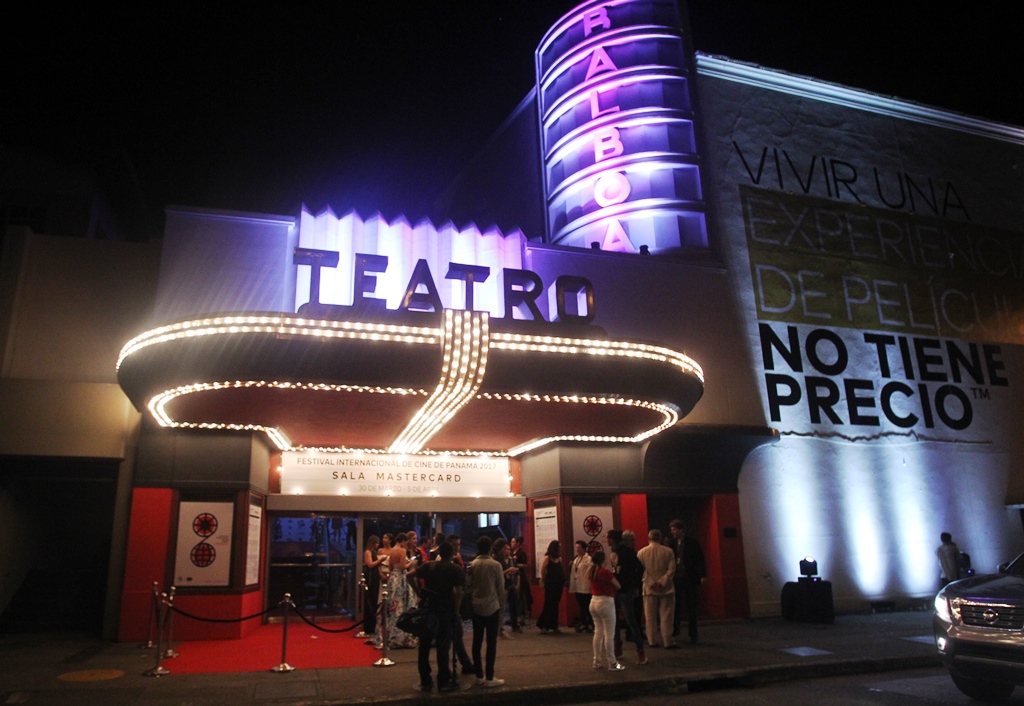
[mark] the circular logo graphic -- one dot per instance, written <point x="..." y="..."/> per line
<point x="594" y="547"/>
<point x="203" y="555"/>
<point x="592" y="525"/>
<point x="205" y="524"/>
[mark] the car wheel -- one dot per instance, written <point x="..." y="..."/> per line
<point x="983" y="690"/>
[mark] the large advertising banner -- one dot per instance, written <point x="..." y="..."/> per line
<point x="877" y="251"/>
<point x="869" y="318"/>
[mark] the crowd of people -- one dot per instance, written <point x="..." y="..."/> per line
<point x="401" y="572"/>
<point x="613" y="590"/>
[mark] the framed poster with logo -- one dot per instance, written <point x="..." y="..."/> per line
<point x="203" y="553"/>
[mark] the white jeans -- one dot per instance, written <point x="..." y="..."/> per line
<point x="602" y="610"/>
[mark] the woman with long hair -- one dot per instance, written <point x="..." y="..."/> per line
<point x="603" y="585"/>
<point x="552" y="576"/>
<point x="371" y="579"/>
<point x="398" y="594"/>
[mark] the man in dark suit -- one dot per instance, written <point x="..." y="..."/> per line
<point x="691" y="573"/>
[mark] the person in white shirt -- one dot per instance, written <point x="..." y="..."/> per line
<point x="579" y="584"/>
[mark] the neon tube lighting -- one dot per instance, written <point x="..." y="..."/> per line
<point x="631" y="34"/>
<point x="462" y="372"/>
<point x="467" y="341"/>
<point x="280" y="325"/>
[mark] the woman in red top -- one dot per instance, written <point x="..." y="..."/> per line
<point x="603" y="585"/>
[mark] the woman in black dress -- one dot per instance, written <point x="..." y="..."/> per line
<point x="371" y="577"/>
<point x="552" y="575"/>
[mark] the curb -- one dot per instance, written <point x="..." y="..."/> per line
<point x="623" y="690"/>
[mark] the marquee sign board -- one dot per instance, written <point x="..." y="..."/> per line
<point x="393" y="475"/>
<point x="617" y="137"/>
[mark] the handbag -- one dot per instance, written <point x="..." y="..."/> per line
<point x="420" y="622"/>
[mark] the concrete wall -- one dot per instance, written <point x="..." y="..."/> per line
<point x="67" y="306"/>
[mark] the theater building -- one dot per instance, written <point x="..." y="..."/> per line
<point x="787" y="311"/>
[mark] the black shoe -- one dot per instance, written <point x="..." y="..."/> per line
<point x="450" y="686"/>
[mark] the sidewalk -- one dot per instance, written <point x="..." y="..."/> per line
<point x="70" y="670"/>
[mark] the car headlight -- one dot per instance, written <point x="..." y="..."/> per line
<point x="942" y="608"/>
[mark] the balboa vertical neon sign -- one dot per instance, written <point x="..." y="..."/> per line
<point x="617" y="139"/>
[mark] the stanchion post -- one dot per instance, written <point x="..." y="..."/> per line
<point x="170" y="653"/>
<point x="284" y="666"/>
<point x="149" y="644"/>
<point x="158" y="670"/>
<point x="361" y="604"/>
<point x="384" y="661"/>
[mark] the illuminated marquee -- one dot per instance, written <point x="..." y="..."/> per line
<point x="374" y="264"/>
<point x="617" y="138"/>
<point x="310" y="472"/>
<point x="520" y="289"/>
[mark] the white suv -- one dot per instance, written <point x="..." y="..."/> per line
<point x="979" y="632"/>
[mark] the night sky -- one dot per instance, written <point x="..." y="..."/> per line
<point x="377" y="105"/>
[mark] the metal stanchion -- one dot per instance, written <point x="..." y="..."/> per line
<point x="384" y="661"/>
<point x="157" y="670"/>
<point x="361" y="605"/>
<point x="149" y="644"/>
<point x="170" y="653"/>
<point x="284" y="666"/>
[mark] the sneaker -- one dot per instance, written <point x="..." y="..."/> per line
<point x="494" y="682"/>
<point x="597" y="665"/>
<point x="641" y="657"/>
<point x="617" y="667"/>
<point x="480" y="681"/>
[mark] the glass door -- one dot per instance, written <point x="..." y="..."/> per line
<point x="313" y="557"/>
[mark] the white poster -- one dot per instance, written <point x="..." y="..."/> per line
<point x="252" y="554"/>
<point x="590" y="524"/>
<point x="545" y="531"/>
<point x="394" y="475"/>
<point x="203" y="556"/>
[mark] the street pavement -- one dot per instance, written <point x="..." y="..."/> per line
<point x="75" y="670"/>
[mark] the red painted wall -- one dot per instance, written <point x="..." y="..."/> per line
<point x="149" y="528"/>
<point x="219" y="606"/>
<point x="725" y="595"/>
<point x="633" y="516"/>
<point x="149" y="532"/>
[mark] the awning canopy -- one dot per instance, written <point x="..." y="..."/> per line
<point x="407" y="382"/>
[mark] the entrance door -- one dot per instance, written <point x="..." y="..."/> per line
<point x="313" y="557"/>
<point x="715" y="521"/>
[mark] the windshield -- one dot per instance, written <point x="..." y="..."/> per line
<point x="1016" y="567"/>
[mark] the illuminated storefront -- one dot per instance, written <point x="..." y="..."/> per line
<point x="736" y="314"/>
<point x="787" y="311"/>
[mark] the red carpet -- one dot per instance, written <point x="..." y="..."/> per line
<point x="308" y="648"/>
